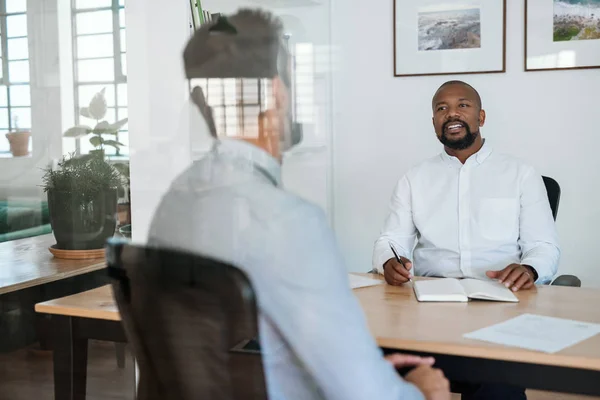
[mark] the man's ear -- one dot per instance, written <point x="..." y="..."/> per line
<point x="481" y="118"/>
<point x="200" y="100"/>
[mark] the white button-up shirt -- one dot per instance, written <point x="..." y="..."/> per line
<point x="467" y="219"/>
<point x="314" y="339"/>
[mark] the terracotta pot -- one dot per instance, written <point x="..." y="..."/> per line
<point x="19" y="143"/>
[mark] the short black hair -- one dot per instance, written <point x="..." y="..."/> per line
<point x="457" y="82"/>
<point x="251" y="47"/>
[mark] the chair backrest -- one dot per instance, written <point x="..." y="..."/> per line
<point x="187" y="319"/>
<point x="553" y="190"/>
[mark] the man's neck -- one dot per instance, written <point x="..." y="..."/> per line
<point x="463" y="155"/>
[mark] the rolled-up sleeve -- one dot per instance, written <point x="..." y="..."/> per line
<point x="399" y="227"/>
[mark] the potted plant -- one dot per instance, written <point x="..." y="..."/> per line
<point x="19" y="141"/>
<point x="96" y="110"/>
<point x="82" y="201"/>
<point x="82" y="191"/>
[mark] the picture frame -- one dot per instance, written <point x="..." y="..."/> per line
<point x="449" y="37"/>
<point x="562" y="35"/>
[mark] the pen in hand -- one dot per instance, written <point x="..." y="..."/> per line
<point x="399" y="259"/>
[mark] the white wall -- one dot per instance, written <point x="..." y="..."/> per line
<point x="383" y="126"/>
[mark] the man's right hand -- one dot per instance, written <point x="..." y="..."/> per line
<point x="395" y="273"/>
<point x="430" y="381"/>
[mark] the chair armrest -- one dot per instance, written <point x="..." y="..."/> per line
<point x="567" y="280"/>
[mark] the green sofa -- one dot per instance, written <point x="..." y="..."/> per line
<point x="23" y="219"/>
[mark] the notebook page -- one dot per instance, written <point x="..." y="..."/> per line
<point x="488" y="290"/>
<point x="446" y="289"/>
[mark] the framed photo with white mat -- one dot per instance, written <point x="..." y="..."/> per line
<point x="562" y="34"/>
<point x="443" y="37"/>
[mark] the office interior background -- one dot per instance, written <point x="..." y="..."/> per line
<point x="363" y="127"/>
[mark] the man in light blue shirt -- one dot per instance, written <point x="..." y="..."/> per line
<point x="230" y="206"/>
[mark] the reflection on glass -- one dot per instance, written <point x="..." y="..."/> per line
<point x="16" y="25"/>
<point x="92" y="3"/>
<point x="95" y="46"/>
<point x="18" y="71"/>
<point x="22" y="117"/>
<point x="96" y="70"/>
<point x="20" y="95"/>
<point x="94" y="22"/>
<point x="122" y="18"/>
<point x="16" y="6"/>
<point x="18" y="49"/>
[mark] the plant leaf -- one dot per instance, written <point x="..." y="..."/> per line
<point x="119" y="124"/>
<point x="77" y="131"/>
<point x="97" y="107"/>
<point x="113" y="143"/>
<point x="85" y="112"/>
<point x="96" y="141"/>
<point x="102" y="127"/>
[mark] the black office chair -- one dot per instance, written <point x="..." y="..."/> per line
<point x="188" y="320"/>
<point x="553" y="191"/>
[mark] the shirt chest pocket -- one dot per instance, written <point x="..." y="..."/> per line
<point x="499" y="218"/>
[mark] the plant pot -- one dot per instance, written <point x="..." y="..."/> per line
<point x="82" y="224"/>
<point x="19" y="143"/>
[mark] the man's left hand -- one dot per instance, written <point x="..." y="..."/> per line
<point x="514" y="277"/>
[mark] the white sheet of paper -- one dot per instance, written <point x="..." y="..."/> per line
<point x="360" y="281"/>
<point x="536" y="332"/>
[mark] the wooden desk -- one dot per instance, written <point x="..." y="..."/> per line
<point x="30" y="274"/>
<point x="399" y="323"/>
<point x="25" y="263"/>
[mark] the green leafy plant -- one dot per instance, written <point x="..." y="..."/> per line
<point x="84" y="177"/>
<point x="96" y="110"/>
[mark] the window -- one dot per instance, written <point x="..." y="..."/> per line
<point x="99" y="49"/>
<point x="15" y="95"/>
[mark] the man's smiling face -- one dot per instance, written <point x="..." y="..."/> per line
<point x="457" y="115"/>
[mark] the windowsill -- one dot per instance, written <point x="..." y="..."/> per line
<point x="8" y="154"/>
<point x="117" y="159"/>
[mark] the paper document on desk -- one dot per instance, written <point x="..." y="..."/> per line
<point x="536" y="332"/>
<point x="360" y="281"/>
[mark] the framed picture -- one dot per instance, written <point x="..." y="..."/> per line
<point x="442" y="37"/>
<point x="562" y="34"/>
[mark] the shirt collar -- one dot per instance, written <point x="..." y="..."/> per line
<point x="252" y="156"/>
<point x="479" y="157"/>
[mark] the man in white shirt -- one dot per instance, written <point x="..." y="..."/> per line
<point x="471" y="211"/>
<point x="230" y="205"/>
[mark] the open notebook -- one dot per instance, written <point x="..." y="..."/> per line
<point x="450" y="289"/>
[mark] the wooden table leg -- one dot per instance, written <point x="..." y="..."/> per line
<point x="70" y="359"/>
